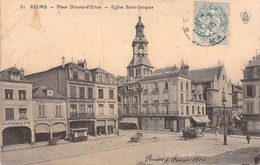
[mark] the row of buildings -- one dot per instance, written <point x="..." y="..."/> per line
<point x="52" y="103"/>
<point x="70" y="96"/>
<point x="171" y="98"/>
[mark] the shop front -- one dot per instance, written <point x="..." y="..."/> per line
<point x="111" y="124"/>
<point x="42" y="132"/>
<point x="101" y="127"/>
<point x="16" y="135"/>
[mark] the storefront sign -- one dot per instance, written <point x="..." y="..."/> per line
<point x="101" y="123"/>
<point x="16" y="123"/>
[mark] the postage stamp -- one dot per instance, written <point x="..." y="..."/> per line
<point x="211" y="23"/>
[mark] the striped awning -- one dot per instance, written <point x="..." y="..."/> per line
<point x="42" y="128"/>
<point x="58" y="128"/>
<point x="129" y="120"/>
<point x="201" y="119"/>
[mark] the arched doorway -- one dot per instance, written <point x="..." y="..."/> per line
<point x="42" y="132"/>
<point x="16" y="135"/>
<point x="59" y="130"/>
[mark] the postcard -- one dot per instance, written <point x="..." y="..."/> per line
<point x="130" y="82"/>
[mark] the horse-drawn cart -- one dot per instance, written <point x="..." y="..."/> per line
<point x="193" y="133"/>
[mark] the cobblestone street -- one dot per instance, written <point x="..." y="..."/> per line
<point x="118" y="150"/>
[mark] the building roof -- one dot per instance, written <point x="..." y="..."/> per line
<point x="100" y="70"/>
<point x="172" y="69"/>
<point x="5" y="75"/>
<point x="41" y="93"/>
<point x="205" y="74"/>
<point x="142" y="60"/>
<point x="67" y="65"/>
<point x="254" y="62"/>
<point x="123" y="80"/>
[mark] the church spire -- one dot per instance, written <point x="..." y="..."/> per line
<point x="139" y="28"/>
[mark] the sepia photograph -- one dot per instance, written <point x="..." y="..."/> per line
<point x="133" y="82"/>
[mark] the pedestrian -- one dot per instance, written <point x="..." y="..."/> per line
<point x="248" y="138"/>
<point x="216" y="134"/>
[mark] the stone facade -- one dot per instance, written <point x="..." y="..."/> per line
<point x="16" y="108"/>
<point x="214" y="81"/>
<point x="251" y="88"/>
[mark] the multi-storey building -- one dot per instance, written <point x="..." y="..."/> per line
<point x="49" y="114"/>
<point x="157" y="100"/>
<point x="214" y="81"/>
<point x="16" y="108"/>
<point x="251" y="87"/>
<point x="168" y="101"/>
<point x="105" y="101"/>
<point x="80" y="87"/>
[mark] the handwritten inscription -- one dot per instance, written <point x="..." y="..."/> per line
<point x="176" y="158"/>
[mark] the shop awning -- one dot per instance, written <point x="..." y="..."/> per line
<point x="42" y="128"/>
<point x="201" y="119"/>
<point x="111" y="122"/>
<point x="129" y="120"/>
<point x="237" y="118"/>
<point x="58" y="128"/>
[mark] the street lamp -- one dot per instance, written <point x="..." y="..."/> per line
<point x="225" y="126"/>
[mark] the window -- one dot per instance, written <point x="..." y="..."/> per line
<point x="100" y="77"/>
<point x="187" y="86"/>
<point x="155" y="86"/>
<point x="127" y="99"/>
<point x="9" y="113"/>
<point x="90" y="93"/>
<point x="203" y="112"/>
<point x="187" y="97"/>
<point x="167" y="109"/>
<point x="87" y="77"/>
<point x="182" y="97"/>
<point x="82" y="111"/>
<point x="250" y="107"/>
<point x="22" y="113"/>
<point x="75" y="75"/>
<point x="181" y="85"/>
<point x="90" y="111"/>
<point x="250" y="90"/>
<point x="111" y="108"/>
<point x="182" y="112"/>
<point x="166" y="85"/>
<point x="101" y="109"/>
<point x="81" y="92"/>
<point x="187" y="110"/>
<point x="41" y="111"/>
<point x="199" y="110"/>
<point x="8" y="94"/>
<point x="193" y="112"/>
<point x="22" y="94"/>
<point x="73" y="108"/>
<point x="100" y="93"/>
<point x="135" y="99"/>
<point x="111" y="94"/>
<point x="58" y="110"/>
<point x="156" y="110"/>
<point x="73" y="92"/>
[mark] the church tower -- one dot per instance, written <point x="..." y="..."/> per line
<point x="140" y="65"/>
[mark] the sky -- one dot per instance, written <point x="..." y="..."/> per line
<point x="37" y="39"/>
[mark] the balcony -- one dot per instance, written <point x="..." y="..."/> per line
<point x="81" y="115"/>
<point x="149" y="113"/>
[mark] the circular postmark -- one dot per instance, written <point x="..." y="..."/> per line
<point x="210" y="24"/>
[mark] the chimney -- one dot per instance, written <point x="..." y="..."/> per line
<point x="82" y="63"/>
<point x="63" y="61"/>
<point x="22" y="72"/>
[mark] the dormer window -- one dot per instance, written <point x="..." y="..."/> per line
<point x="15" y="76"/>
<point x="75" y="74"/>
<point x="49" y="92"/>
<point x="87" y="77"/>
